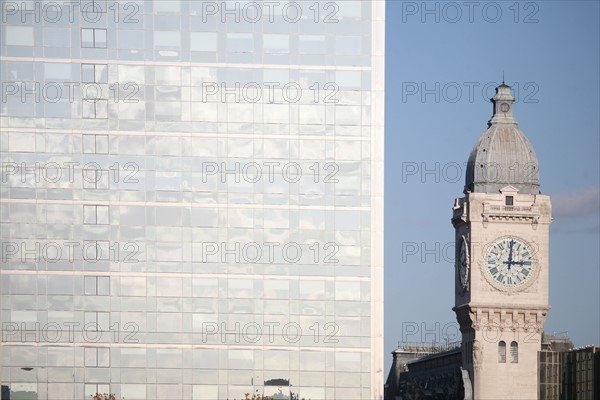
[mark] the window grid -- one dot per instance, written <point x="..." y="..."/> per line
<point x="93" y="6"/>
<point x="96" y="179"/>
<point x="514" y="352"/>
<point x="96" y="250"/>
<point x="93" y="38"/>
<point x="97" y="321"/>
<point x="502" y="352"/>
<point x="94" y="73"/>
<point x="96" y="215"/>
<point x="95" y="144"/>
<point x="97" y="285"/>
<point x="97" y="357"/>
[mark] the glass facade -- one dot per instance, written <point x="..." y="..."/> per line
<point x="192" y="199"/>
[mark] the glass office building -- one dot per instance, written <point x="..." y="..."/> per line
<point x="192" y="199"/>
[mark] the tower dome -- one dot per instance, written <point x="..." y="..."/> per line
<point x="503" y="156"/>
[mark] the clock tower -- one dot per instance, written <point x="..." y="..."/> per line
<point x="501" y="281"/>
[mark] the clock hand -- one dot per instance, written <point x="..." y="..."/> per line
<point x="510" y="252"/>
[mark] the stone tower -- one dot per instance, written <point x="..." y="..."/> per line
<point x="502" y="232"/>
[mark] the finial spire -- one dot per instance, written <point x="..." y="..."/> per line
<point x="503" y="77"/>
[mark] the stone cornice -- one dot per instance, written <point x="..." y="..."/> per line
<point x="487" y="316"/>
<point x="504" y="213"/>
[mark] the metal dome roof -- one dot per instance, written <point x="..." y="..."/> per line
<point x="503" y="156"/>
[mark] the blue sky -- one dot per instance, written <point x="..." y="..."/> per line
<point x="547" y="50"/>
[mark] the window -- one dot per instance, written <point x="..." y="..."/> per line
<point x="97" y="357"/>
<point x="19" y="35"/>
<point x="273" y="43"/>
<point x="96" y="321"/>
<point x="131" y="39"/>
<point x="97" y="109"/>
<point x="93" y="7"/>
<point x="514" y="352"/>
<point x="94" y="73"/>
<point x="348" y="45"/>
<point x="57" y="37"/>
<point x="95" y="215"/>
<point x="95" y="144"/>
<point x="509" y="200"/>
<point x="167" y="39"/>
<point x="97" y="285"/>
<point x="93" y="37"/>
<point x="166" y="6"/>
<point x="312" y="44"/>
<point x="95" y="250"/>
<point x="94" y="90"/>
<point x="502" y="352"/>
<point x="240" y="43"/>
<point x="203" y="41"/>
<point x="96" y="179"/>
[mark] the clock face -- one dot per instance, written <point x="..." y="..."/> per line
<point x="504" y="107"/>
<point x="510" y="262"/>
<point x="463" y="263"/>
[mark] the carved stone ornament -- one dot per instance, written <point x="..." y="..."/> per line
<point x="477" y="354"/>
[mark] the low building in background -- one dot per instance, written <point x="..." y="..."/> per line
<point x="430" y="371"/>
<point x="550" y="364"/>
<point x="422" y="370"/>
<point x="582" y="374"/>
<point x="568" y="373"/>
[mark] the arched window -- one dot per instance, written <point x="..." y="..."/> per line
<point x="514" y="352"/>
<point x="501" y="352"/>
